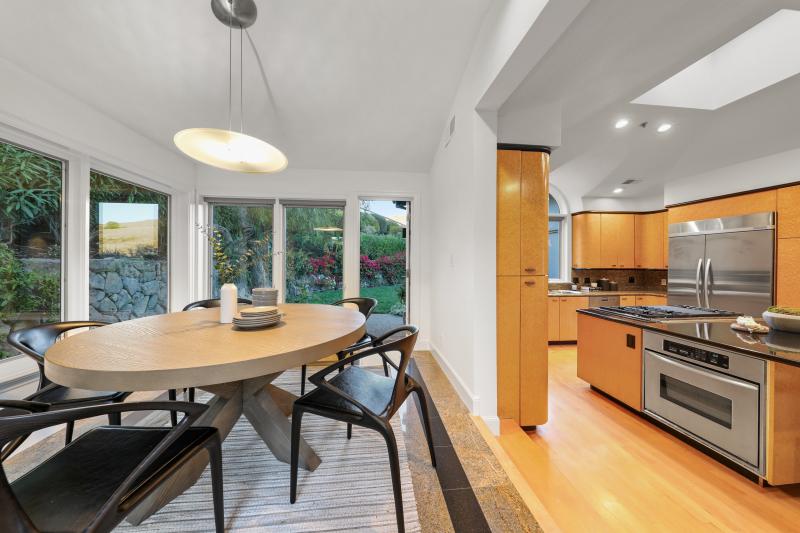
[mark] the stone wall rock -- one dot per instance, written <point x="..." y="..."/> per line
<point x="127" y="287"/>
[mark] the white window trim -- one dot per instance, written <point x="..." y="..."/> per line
<point x="565" y="234"/>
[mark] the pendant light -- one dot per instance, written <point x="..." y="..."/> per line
<point x="228" y="149"/>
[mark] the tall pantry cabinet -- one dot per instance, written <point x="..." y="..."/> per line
<point x="522" y="237"/>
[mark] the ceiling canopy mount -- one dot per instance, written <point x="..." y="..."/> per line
<point x="238" y="14"/>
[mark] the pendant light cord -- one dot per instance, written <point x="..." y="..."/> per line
<point x="230" y="63"/>
<point x="241" y="81"/>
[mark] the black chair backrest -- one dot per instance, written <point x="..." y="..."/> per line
<point x="35" y="341"/>
<point x="212" y="303"/>
<point x="365" y="305"/>
<point x="405" y="346"/>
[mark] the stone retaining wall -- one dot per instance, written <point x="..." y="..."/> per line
<point x="121" y="288"/>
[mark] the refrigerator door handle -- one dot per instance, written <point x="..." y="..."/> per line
<point x="706" y="286"/>
<point x="697" y="282"/>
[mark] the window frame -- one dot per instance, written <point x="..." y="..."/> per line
<point x="19" y="370"/>
<point x="562" y="217"/>
<point x="209" y="202"/>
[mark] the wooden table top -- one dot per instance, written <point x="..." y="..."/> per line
<point x="192" y="349"/>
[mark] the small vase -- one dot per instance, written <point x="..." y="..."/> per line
<point x="228" y="296"/>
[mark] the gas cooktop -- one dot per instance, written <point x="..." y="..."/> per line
<point x="658" y="313"/>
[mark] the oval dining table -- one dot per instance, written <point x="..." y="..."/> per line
<point x="192" y="349"/>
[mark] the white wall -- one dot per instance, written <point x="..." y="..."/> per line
<point x="319" y="184"/>
<point x="775" y="169"/>
<point x="463" y="193"/>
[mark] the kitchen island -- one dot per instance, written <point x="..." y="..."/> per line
<point x="735" y="393"/>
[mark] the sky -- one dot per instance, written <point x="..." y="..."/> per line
<point x="127" y="212"/>
<point x="388" y="209"/>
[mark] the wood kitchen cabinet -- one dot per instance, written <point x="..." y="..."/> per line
<point x="649" y="248"/>
<point x="586" y="240"/>
<point x="627" y="300"/>
<point x="523" y="322"/>
<point x="563" y="317"/>
<point x="617" y="236"/>
<point x="649" y="299"/>
<point x="610" y="358"/>
<point x="787" y="274"/>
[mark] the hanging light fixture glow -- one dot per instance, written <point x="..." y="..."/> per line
<point x="228" y="149"/>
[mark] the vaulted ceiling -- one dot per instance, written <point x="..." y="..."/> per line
<point x="618" y="49"/>
<point x="353" y="84"/>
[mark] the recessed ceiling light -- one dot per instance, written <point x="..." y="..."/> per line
<point x="664" y="127"/>
<point x="762" y="56"/>
<point x="618" y="190"/>
<point x="621" y="123"/>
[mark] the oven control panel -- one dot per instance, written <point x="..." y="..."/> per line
<point x="698" y="354"/>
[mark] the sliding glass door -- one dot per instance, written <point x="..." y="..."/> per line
<point x="246" y="228"/>
<point x="31" y="190"/>
<point x="313" y="252"/>
<point x="383" y="259"/>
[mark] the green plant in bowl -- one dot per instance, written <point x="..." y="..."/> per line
<point x="794" y="311"/>
<point x="783" y="318"/>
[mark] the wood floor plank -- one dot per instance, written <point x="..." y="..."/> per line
<point x="597" y="466"/>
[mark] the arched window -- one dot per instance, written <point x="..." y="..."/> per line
<point x="555" y="241"/>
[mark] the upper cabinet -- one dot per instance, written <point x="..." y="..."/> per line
<point x="619" y="240"/>
<point x="586" y="241"/>
<point x="651" y="243"/>
<point x="522" y="213"/>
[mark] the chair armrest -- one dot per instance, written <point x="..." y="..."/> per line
<point x="380" y="340"/>
<point x="25" y="405"/>
<point x="15" y="426"/>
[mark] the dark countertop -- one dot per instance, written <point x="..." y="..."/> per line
<point x="554" y="293"/>
<point x="774" y="346"/>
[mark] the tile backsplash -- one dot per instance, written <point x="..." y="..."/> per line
<point x="628" y="279"/>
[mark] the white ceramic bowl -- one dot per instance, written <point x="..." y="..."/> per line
<point x="782" y="322"/>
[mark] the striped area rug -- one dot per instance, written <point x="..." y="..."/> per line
<point x="350" y="491"/>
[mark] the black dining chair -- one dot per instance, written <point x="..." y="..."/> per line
<point x="365" y="307"/>
<point x="34" y="342"/>
<point x="95" y="481"/>
<point x="200" y="304"/>
<point x="361" y="397"/>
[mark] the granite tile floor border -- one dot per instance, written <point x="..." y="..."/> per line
<point x="472" y="485"/>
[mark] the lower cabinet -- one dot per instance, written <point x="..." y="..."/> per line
<point x="650" y="300"/>
<point x="522" y="349"/>
<point x="610" y="358"/>
<point x="627" y="300"/>
<point x="562" y="317"/>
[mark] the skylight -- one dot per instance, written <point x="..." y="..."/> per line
<point x="765" y="54"/>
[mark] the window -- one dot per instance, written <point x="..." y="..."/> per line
<point x="31" y="190"/>
<point x="128" y="250"/>
<point x="245" y="227"/>
<point x="384" y="238"/>
<point x="313" y="258"/>
<point x="555" y="240"/>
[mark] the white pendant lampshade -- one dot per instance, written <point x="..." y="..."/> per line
<point x="230" y="150"/>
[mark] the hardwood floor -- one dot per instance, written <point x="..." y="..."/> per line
<point x="597" y="466"/>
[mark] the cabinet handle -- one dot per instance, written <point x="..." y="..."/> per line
<point x="530" y="270"/>
<point x="563" y="299"/>
<point x="530" y="283"/>
<point x="613" y="265"/>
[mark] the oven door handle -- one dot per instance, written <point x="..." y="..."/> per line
<point x="705" y="372"/>
<point x="697" y="282"/>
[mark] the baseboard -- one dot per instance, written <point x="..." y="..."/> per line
<point x="466" y="395"/>
<point x="493" y="423"/>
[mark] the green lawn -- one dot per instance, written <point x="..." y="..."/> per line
<point x="386" y="296"/>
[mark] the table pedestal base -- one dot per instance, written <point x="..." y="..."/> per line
<point x="265" y="406"/>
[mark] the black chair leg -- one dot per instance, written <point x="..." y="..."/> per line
<point x="302" y="380"/>
<point x="297" y="418"/>
<point x="385" y="368"/>
<point x="349" y="430"/>
<point x="191" y="394"/>
<point x="70" y="430"/>
<point x="215" y="456"/>
<point x="115" y="419"/>
<point x="394" y="463"/>
<point x="422" y="407"/>
<point x="173" y="415"/>
<point x="12" y="446"/>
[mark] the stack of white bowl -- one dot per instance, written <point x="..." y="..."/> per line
<point x="265" y="296"/>
<point x="257" y="317"/>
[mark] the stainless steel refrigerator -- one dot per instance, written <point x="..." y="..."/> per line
<point x="723" y="263"/>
